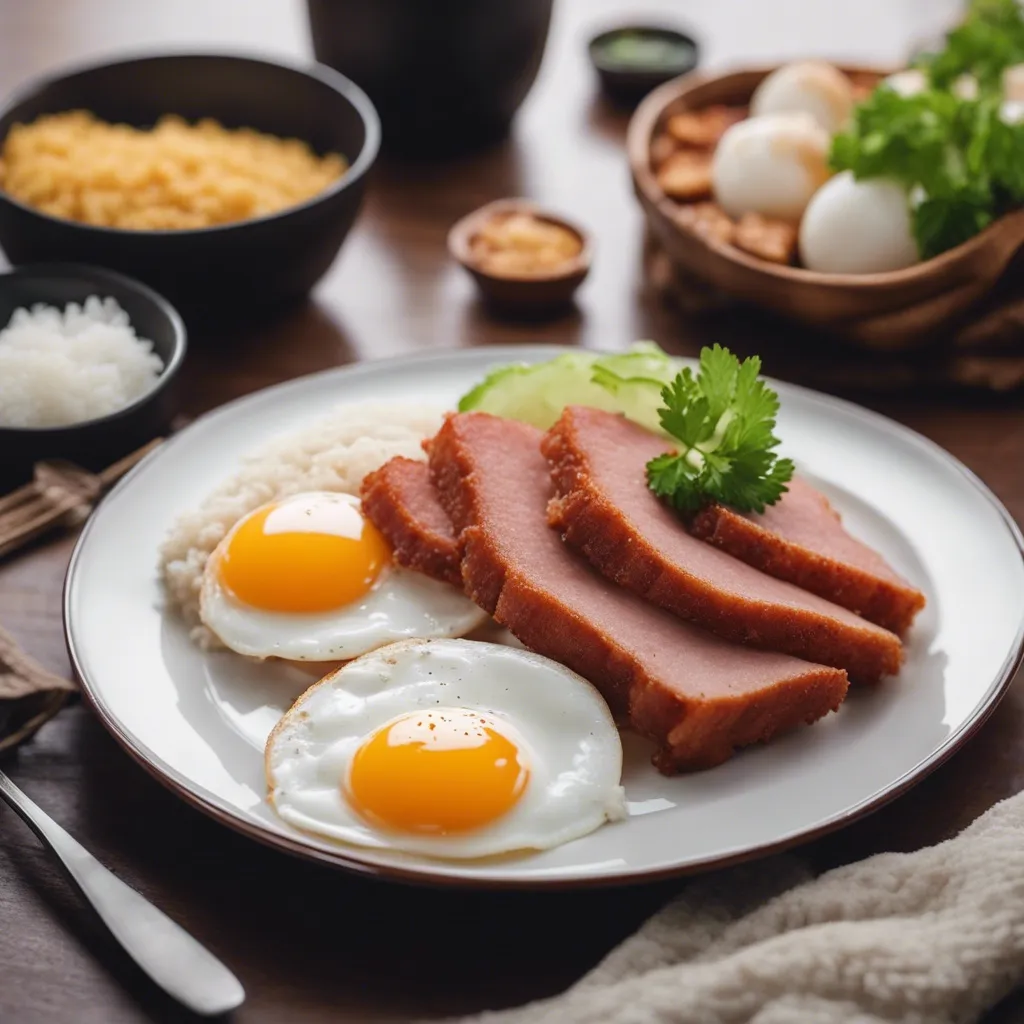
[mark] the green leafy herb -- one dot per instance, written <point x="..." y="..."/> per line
<point x="961" y="162"/>
<point x="989" y="40"/>
<point x="724" y="420"/>
<point x="960" y="158"/>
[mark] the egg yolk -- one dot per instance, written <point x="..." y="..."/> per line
<point x="440" y="771"/>
<point x="308" y="554"/>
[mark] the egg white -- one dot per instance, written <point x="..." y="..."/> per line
<point x="398" y="605"/>
<point x="401" y="604"/>
<point x="562" y="724"/>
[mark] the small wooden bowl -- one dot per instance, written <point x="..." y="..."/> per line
<point x="525" y="293"/>
<point x="895" y="310"/>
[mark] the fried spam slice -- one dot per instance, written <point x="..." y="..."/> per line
<point x="606" y="512"/>
<point x="802" y="539"/>
<point x="699" y="698"/>
<point x="401" y="502"/>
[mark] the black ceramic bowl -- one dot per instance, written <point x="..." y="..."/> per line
<point x="97" y="443"/>
<point x="631" y="60"/>
<point x="233" y="270"/>
<point x="446" y="76"/>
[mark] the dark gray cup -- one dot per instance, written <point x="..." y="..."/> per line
<point x="445" y="75"/>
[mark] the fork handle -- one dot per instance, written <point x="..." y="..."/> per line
<point x="164" y="950"/>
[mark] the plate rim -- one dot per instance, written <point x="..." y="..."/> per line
<point x="422" y="874"/>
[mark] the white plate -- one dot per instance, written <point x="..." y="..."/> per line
<point x="198" y="721"/>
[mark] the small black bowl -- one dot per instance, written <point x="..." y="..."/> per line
<point x="626" y="73"/>
<point x="234" y="270"/>
<point x="97" y="443"/>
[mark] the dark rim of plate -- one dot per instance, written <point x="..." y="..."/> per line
<point x="600" y="61"/>
<point x="100" y="275"/>
<point x="328" y="76"/>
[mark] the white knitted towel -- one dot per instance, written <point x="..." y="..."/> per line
<point x="932" y="937"/>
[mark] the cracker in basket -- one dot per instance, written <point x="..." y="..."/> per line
<point x="773" y="240"/>
<point x="708" y="220"/>
<point x="703" y="128"/>
<point x="686" y="175"/>
<point x="662" y="148"/>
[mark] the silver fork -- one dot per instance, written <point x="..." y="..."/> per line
<point x="164" y="950"/>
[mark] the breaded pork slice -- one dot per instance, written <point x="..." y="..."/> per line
<point x="606" y="511"/>
<point x="801" y="539"/>
<point x="697" y="696"/>
<point x="401" y="502"/>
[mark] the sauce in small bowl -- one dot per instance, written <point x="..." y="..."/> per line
<point x="633" y="59"/>
<point x="521" y="257"/>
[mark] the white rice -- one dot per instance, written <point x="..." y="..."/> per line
<point x="332" y="454"/>
<point x="60" y="367"/>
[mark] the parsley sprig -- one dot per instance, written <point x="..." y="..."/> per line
<point x="963" y="164"/>
<point x="988" y="40"/>
<point x="961" y="159"/>
<point x="724" y="420"/>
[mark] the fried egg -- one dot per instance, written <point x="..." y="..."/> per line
<point x="310" y="578"/>
<point x="449" y="748"/>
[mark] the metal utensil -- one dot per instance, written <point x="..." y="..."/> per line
<point x="165" y="951"/>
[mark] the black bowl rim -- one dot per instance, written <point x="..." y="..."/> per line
<point x="101" y="275"/>
<point x="343" y="86"/>
<point x="653" y="28"/>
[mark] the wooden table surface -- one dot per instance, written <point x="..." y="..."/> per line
<point x="311" y="944"/>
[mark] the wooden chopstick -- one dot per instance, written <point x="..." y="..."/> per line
<point x="57" y="491"/>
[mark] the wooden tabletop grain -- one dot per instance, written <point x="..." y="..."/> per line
<point x="311" y="944"/>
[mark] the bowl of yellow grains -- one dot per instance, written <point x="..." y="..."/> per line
<point x="227" y="183"/>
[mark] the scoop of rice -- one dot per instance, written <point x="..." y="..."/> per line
<point x="64" y="366"/>
<point x="332" y="454"/>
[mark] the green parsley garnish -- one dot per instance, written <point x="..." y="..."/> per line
<point x="724" y="420"/>
<point x="988" y="41"/>
<point x="962" y="164"/>
<point x="960" y="159"/>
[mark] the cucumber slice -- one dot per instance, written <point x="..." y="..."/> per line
<point x="628" y="382"/>
<point x="537" y="394"/>
<point x="635" y="381"/>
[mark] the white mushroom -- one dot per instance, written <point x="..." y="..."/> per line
<point x="770" y="165"/>
<point x="858" y="227"/>
<point x="907" y="83"/>
<point x="810" y="87"/>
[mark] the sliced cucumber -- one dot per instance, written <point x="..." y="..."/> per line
<point x="629" y="382"/>
<point x="537" y="394"/>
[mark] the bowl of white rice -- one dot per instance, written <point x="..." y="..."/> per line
<point x="87" y="360"/>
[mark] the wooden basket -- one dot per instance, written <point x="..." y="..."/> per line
<point x="894" y="310"/>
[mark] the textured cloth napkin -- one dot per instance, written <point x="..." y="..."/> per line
<point x="59" y="496"/>
<point x="29" y="694"/>
<point x="932" y="937"/>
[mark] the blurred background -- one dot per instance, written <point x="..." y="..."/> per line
<point x="565" y="150"/>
